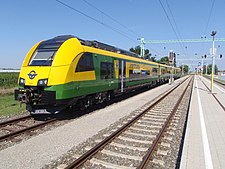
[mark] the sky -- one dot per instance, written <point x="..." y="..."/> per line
<point x="116" y="22"/>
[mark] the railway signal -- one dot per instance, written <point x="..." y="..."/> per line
<point x="171" y="58"/>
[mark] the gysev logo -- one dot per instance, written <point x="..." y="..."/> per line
<point x="32" y="74"/>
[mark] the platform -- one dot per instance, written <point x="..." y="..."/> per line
<point x="204" y="144"/>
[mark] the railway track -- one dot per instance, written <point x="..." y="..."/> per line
<point x="15" y="127"/>
<point x="222" y="84"/>
<point x="134" y="144"/>
<point x="218" y="101"/>
<point x="16" y="130"/>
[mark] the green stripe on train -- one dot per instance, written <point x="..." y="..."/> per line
<point x="75" y="89"/>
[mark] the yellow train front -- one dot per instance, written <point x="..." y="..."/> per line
<point x="66" y="71"/>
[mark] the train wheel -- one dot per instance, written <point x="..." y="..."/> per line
<point x="84" y="103"/>
<point x="109" y="96"/>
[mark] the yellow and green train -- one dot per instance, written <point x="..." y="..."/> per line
<point x="66" y="70"/>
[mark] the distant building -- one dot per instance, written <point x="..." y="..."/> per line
<point x="9" y="70"/>
<point x="221" y="72"/>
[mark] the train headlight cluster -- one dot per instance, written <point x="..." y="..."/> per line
<point x="42" y="82"/>
<point x="22" y="82"/>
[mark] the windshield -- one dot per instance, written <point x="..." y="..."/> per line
<point x="42" y="57"/>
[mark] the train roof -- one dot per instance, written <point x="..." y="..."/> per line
<point x="58" y="40"/>
<point x="94" y="43"/>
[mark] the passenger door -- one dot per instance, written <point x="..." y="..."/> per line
<point x="122" y="75"/>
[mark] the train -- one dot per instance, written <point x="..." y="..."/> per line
<point x="68" y="71"/>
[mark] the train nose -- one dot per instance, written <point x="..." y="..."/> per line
<point x="20" y="98"/>
<point x="34" y="76"/>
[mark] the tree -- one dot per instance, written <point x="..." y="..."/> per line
<point x="209" y="69"/>
<point x="147" y="55"/>
<point x="164" y="60"/>
<point x="185" y="68"/>
<point x="136" y="50"/>
<point x="153" y="59"/>
<point x="204" y="70"/>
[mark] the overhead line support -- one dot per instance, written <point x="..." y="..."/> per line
<point x="184" y="40"/>
<point x="143" y="42"/>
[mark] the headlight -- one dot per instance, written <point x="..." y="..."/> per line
<point x="22" y="81"/>
<point x="42" y="82"/>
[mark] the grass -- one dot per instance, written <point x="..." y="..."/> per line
<point x="8" y="79"/>
<point x="8" y="82"/>
<point x="7" y="91"/>
<point x="8" y="106"/>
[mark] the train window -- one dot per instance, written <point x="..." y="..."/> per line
<point x="154" y="72"/>
<point x="135" y="73"/>
<point x="145" y="72"/>
<point x="44" y="54"/>
<point x="50" y="45"/>
<point x="138" y="74"/>
<point x="43" y="57"/>
<point x="163" y="71"/>
<point x="106" y="70"/>
<point x="85" y="63"/>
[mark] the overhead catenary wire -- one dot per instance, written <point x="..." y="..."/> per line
<point x="96" y="20"/>
<point x="99" y="22"/>
<point x="168" y="18"/>
<point x="178" y="32"/>
<point x="116" y="21"/>
<point x="210" y="14"/>
<point x="134" y="33"/>
<point x="155" y="51"/>
<point x="207" y="23"/>
<point x="175" y="23"/>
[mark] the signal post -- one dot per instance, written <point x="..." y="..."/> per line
<point x="171" y="57"/>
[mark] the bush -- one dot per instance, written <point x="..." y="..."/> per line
<point x="8" y="79"/>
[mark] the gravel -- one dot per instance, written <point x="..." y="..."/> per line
<point x="9" y="117"/>
<point x="46" y="147"/>
<point x="25" y="136"/>
<point x="172" y="159"/>
<point x="126" y="151"/>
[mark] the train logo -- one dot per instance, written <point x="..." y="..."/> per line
<point x="32" y="74"/>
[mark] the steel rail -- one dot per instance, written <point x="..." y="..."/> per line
<point x="219" y="82"/>
<point x="222" y="106"/>
<point x="81" y="160"/>
<point x="150" y="151"/>
<point x="222" y="84"/>
<point x="14" y="120"/>
<point x="13" y="134"/>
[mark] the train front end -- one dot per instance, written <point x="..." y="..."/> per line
<point x="44" y="73"/>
